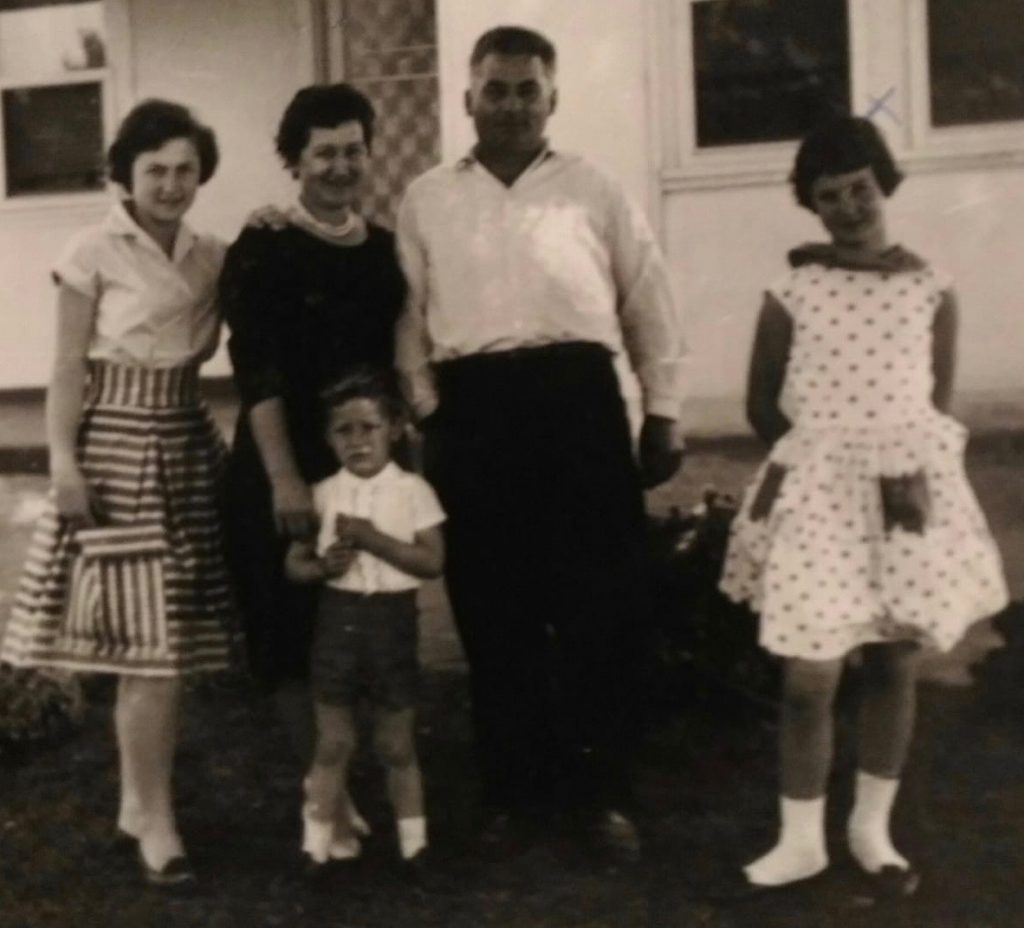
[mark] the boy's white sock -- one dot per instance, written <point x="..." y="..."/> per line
<point x="412" y="835"/>
<point x="868" y="829"/>
<point x="316" y="835"/>
<point x="800" y="851"/>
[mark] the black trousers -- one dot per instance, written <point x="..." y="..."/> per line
<point x="531" y="455"/>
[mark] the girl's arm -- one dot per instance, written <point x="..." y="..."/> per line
<point x="293" y="501"/>
<point x="422" y="557"/>
<point x="944" y="328"/>
<point x="767" y="371"/>
<point x="76" y="319"/>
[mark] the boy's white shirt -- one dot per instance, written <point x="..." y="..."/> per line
<point x="397" y="502"/>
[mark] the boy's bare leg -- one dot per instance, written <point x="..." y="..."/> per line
<point x="394" y="741"/>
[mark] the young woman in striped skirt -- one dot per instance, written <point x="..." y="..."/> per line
<point x="124" y="573"/>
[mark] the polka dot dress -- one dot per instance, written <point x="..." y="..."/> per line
<point x="821" y="568"/>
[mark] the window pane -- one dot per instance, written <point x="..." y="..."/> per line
<point x="976" y="61"/>
<point x="767" y="70"/>
<point x="41" y="41"/>
<point x="53" y="138"/>
<point x="390" y="53"/>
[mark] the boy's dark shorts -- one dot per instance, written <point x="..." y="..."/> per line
<point x="365" y="645"/>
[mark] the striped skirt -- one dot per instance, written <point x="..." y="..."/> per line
<point x="146" y="591"/>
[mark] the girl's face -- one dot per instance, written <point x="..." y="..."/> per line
<point x="331" y="167"/>
<point x="361" y="435"/>
<point x="851" y="206"/>
<point x="164" y="182"/>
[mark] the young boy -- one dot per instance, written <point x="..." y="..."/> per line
<point x="379" y="536"/>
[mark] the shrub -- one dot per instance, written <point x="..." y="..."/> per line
<point x="37" y="707"/>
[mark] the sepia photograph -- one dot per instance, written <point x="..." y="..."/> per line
<point x="514" y="463"/>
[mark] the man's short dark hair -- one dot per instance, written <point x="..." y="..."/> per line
<point x="148" y="127"/>
<point x="514" y="40"/>
<point x="321" y="106"/>
<point x="837" y="146"/>
<point x="367" y="383"/>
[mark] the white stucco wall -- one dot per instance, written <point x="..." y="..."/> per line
<point x="237" y="63"/>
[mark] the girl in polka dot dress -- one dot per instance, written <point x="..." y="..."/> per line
<point x="860" y="530"/>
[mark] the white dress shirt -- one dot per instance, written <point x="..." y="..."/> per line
<point x="560" y="255"/>
<point x="152" y="309"/>
<point x="397" y="502"/>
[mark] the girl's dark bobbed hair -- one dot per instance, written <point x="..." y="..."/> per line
<point x="149" y="126"/>
<point x="837" y="146"/>
<point x="321" y="106"/>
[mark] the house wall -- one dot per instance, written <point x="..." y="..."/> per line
<point x="238" y="62"/>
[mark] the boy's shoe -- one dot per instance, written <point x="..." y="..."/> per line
<point x="123" y="844"/>
<point x="890" y="882"/>
<point x="614" y="836"/>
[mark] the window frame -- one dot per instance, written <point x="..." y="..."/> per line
<point x="978" y="145"/>
<point x="896" y="58"/>
<point x="115" y="91"/>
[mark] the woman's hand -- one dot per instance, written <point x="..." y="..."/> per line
<point x="267" y="217"/>
<point x="76" y="502"/>
<point x="294" y="516"/>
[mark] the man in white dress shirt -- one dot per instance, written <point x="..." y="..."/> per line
<point x="530" y="272"/>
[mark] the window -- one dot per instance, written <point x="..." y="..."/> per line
<point x="388" y="49"/>
<point x="53" y="77"/>
<point x="740" y="80"/>
<point x="767" y="70"/>
<point x="975" y="61"/>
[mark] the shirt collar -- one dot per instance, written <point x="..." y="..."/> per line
<point x="386" y="473"/>
<point x="469" y="159"/>
<point x="119" y="222"/>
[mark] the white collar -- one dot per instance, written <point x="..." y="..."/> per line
<point x="119" y="222"/>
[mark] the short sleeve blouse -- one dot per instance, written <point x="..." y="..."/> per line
<point x="152" y="309"/>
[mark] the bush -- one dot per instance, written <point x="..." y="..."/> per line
<point x="707" y="645"/>
<point x="37" y="707"/>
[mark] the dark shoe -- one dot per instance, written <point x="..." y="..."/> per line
<point x="123" y="844"/>
<point x="734" y="888"/>
<point x="615" y="837"/>
<point x="891" y="882"/>
<point x="175" y="874"/>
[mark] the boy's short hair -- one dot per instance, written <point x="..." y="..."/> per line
<point x="321" y="106"/>
<point x="368" y="383"/>
<point x="148" y="127"/>
<point x="514" y="40"/>
<point x="837" y="146"/>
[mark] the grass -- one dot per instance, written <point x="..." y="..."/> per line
<point x="705" y="785"/>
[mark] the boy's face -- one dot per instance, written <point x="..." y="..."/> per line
<point x="360" y="434"/>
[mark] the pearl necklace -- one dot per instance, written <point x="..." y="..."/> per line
<point x="301" y="216"/>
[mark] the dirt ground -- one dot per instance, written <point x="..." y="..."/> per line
<point x="704" y="798"/>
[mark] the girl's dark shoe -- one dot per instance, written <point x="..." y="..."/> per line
<point x="891" y="882"/>
<point x="177" y="873"/>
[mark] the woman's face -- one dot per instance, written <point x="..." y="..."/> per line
<point x="165" y="181"/>
<point x="851" y="206"/>
<point x="331" y="167"/>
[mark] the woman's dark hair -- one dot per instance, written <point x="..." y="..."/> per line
<point x="367" y="383"/>
<point x="148" y="127"/>
<point x="513" y="40"/>
<point x="838" y="146"/>
<point x="322" y="106"/>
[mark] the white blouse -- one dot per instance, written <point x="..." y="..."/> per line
<point x="152" y="309"/>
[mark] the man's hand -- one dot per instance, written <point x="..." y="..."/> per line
<point x="661" y="450"/>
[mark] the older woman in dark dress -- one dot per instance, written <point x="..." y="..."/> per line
<point x="305" y="302"/>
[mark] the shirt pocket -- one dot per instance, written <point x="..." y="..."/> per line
<point x="117" y="598"/>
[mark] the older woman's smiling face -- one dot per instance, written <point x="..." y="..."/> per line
<point x="330" y="169"/>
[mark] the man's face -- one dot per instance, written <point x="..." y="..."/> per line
<point x="510" y="98"/>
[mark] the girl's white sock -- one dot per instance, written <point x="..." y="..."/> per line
<point x="800" y="851"/>
<point x="412" y="835"/>
<point x="868" y="829"/>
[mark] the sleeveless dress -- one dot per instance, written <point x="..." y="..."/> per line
<point x="146" y="591"/>
<point x="827" y="569"/>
